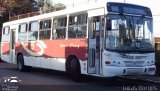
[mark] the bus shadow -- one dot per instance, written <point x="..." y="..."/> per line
<point x="85" y="79"/>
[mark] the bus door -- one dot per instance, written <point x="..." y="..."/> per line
<point x="12" y="45"/>
<point x="94" y="42"/>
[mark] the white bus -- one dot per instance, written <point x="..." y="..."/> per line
<point x="104" y="40"/>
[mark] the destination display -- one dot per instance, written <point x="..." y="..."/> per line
<point x="128" y="9"/>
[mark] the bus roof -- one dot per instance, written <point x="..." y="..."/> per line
<point x="68" y="11"/>
<point x="57" y="13"/>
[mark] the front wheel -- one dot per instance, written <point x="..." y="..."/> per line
<point x="20" y="64"/>
<point x="75" y="70"/>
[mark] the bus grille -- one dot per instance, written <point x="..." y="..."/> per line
<point x="134" y="70"/>
<point x="134" y="63"/>
<point x="140" y="57"/>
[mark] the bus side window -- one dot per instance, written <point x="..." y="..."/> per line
<point x="22" y="33"/>
<point x="59" y="28"/>
<point x="33" y="31"/>
<point x="77" y="26"/>
<point x="6" y="31"/>
<point x="45" y="29"/>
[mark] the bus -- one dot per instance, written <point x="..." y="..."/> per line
<point x="102" y="39"/>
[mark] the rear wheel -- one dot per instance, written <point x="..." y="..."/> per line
<point x="75" y="71"/>
<point x="20" y="64"/>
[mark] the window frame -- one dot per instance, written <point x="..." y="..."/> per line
<point x="56" y="26"/>
<point x="30" y="29"/>
<point x="4" y="34"/>
<point x="78" y="25"/>
<point x="22" y="32"/>
<point x="4" y="30"/>
<point x="43" y="29"/>
<point x="19" y="29"/>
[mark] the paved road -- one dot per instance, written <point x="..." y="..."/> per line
<point x="47" y="80"/>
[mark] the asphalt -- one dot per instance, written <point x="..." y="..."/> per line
<point x="39" y="77"/>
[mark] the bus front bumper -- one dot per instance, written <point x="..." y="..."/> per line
<point x="111" y="71"/>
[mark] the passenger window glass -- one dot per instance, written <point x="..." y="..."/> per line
<point x="33" y="31"/>
<point x="22" y="34"/>
<point x="77" y="26"/>
<point x="5" y="37"/>
<point x="59" y="28"/>
<point x="45" y="29"/>
<point x="22" y="27"/>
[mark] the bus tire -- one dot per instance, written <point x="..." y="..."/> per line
<point x="20" y="64"/>
<point x="68" y="63"/>
<point x="75" y="71"/>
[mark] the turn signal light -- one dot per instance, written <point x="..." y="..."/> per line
<point x="151" y="69"/>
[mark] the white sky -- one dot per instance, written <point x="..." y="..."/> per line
<point x="153" y="4"/>
<point x="67" y="2"/>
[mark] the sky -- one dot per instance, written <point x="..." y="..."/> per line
<point x="153" y="4"/>
<point x="68" y="2"/>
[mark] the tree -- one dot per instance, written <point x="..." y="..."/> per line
<point x="22" y="6"/>
<point x="16" y="7"/>
<point x="47" y="6"/>
<point x="59" y="6"/>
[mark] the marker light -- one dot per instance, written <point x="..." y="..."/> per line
<point x="151" y="69"/>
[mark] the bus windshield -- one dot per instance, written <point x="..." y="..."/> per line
<point x="129" y="33"/>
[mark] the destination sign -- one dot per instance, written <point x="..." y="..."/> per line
<point x="124" y="8"/>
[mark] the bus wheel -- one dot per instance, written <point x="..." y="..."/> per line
<point x="75" y="71"/>
<point x="21" y="66"/>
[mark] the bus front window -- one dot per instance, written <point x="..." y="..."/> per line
<point x="129" y="33"/>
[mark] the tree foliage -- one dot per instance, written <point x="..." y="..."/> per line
<point x="59" y="6"/>
<point x="47" y="6"/>
<point x="16" y="7"/>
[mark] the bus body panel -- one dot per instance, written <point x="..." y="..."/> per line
<point x="54" y="48"/>
<point x="128" y="64"/>
<point x="5" y="51"/>
<point x="44" y="53"/>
